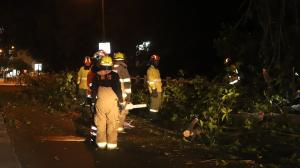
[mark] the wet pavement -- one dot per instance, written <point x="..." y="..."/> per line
<point x="33" y="143"/>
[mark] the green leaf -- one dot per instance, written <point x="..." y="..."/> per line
<point x="201" y="123"/>
<point x="224" y="116"/>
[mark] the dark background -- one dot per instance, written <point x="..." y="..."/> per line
<point x="61" y="32"/>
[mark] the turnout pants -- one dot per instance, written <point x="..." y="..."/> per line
<point x="155" y="103"/>
<point x="107" y="116"/>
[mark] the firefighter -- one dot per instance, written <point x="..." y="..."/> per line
<point x="154" y="86"/>
<point x="92" y="93"/>
<point x="120" y="67"/>
<point x="93" y="70"/>
<point x="82" y="80"/>
<point x="109" y="99"/>
<point x="233" y="75"/>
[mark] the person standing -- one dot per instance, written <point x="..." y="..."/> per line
<point x="92" y="73"/>
<point x="154" y="86"/>
<point x="109" y="98"/>
<point x="82" y="80"/>
<point x="92" y="93"/>
<point x="120" y="67"/>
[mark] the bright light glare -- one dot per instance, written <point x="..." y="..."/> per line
<point x="144" y="46"/>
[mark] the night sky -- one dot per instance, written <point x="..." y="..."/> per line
<point x="61" y="32"/>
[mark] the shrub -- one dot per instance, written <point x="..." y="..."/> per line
<point x="56" y="91"/>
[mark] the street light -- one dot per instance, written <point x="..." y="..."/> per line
<point x="144" y="46"/>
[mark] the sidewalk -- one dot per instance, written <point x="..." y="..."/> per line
<point x="8" y="158"/>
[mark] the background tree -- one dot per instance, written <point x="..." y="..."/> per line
<point x="266" y="36"/>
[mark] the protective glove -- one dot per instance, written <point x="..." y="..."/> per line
<point x="129" y="106"/>
<point x="121" y="106"/>
<point x="154" y="93"/>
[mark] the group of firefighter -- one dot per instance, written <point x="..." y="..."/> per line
<point x="104" y="84"/>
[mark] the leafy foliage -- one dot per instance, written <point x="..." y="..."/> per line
<point x="56" y="91"/>
<point x="215" y="102"/>
<point x="211" y="101"/>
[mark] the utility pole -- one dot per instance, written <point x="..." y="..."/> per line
<point x="104" y="45"/>
<point x="103" y="21"/>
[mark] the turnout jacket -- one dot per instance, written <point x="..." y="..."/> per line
<point x="121" y="69"/>
<point x="82" y="77"/>
<point x="153" y="79"/>
<point x="110" y="79"/>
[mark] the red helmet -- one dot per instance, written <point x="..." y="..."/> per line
<point x="154" y="57"/>
<point x="87" y="61"/>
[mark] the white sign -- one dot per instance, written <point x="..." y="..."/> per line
<point x="105" y="46"/>
<point x="38" y="67"/>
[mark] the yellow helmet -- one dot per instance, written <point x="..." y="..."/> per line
<point x="119" y="56"/>
<point x="106" y="61"/>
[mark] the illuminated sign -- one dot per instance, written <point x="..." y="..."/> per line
<point x="105" y="46"/>
<point x="38" y="67"/>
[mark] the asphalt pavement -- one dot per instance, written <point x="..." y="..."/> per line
<point x="8" y="158"/>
